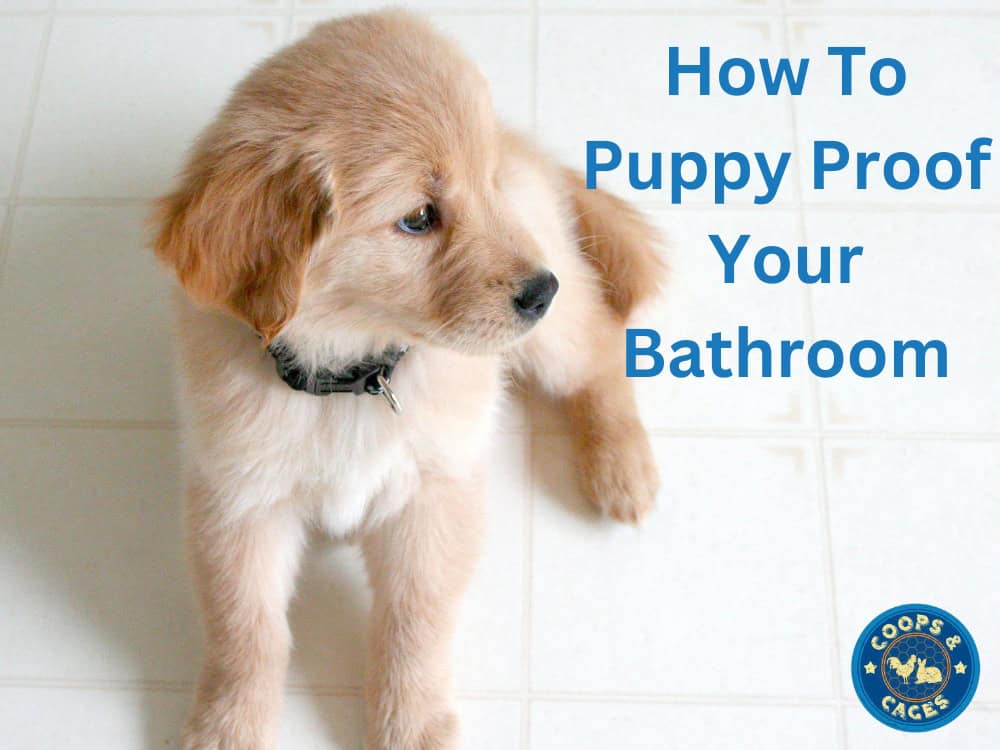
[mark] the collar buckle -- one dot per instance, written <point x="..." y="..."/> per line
<point x="376" y="383"/>
<point x="367" y="377"/>
<point x="387" y="393"/>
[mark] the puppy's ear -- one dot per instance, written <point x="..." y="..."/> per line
<point x="618" y="242"/>
<point x="239" y="230"/>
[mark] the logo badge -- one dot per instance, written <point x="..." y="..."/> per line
<point x="915" y="668"/>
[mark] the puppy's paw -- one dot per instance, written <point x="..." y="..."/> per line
<point x="436" y="732"/>
<point x="619" y="475"/>
<point x="441" y="733"/>
<point x="218" y="738"/>
<point x="221" y="725"/>
<point x="202" y="741"/>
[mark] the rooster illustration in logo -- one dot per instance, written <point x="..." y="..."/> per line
<point x="905" y="668"/>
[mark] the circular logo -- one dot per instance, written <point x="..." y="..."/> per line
<point x="915" y="668"/>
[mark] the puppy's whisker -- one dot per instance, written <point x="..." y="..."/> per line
<point x="447" y="322"/>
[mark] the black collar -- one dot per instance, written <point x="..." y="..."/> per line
<point x="370" y="375"/>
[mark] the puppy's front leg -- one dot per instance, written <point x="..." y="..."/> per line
<point x="244" y="574"/>
<point x="576" y="364"/>
<point x="419" y="563"/>
<point x="616" y="464"/>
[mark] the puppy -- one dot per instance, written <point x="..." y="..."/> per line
<point x="363" y="256"/>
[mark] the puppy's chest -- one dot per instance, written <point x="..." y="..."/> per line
<point x="350" y="468"/>
<point x="346" y="459"/>
<point x="362" y="463"/>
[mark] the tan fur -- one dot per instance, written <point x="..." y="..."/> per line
<point x="284" y="227"/>
<point x="237" y="216"/>
<point x="620" y="244"/>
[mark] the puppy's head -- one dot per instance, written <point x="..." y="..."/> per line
<point x="353" y="181"/>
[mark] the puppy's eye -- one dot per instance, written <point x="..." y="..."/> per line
<point x="420" y="221"/>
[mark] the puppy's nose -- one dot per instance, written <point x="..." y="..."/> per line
<point x="536" y="295"/>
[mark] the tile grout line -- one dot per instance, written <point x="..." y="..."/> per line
<point x="822" y="495"/>
<point x="289" y="15"/>
<point x="833" y="627"/>
<point x="806" y="434"/>
<point x="81" y="202"/>
<point x="41" y="56"/>
<point x="645" y="205"/>
<point x="718" y="433"/>
<point x="14" y="423"/>
<point x="528" y="448"/>
<point x="790" y="204"/>
<point x="744" y="12"/>
<point x="553" y="696"/>
<point x="527" y="587"/>
<point x="751" y="13"/>
<point x="277" y="11"/>
<point x="535" y="52"/>
<point x="826" y="528"/>
<point x="862" y="13"/>
<point x="791" y="112"/>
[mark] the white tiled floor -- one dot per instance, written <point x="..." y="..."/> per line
<point x="596" y="626"/>
<point x="638" y="726"/>
<point x="104" y="351"/>
<point x="792" y="511"/>
<point x="584" y="65"/>
<point x="19" y="43"/>
<point x="963" y="55"/>
<point x="698" y="304"/>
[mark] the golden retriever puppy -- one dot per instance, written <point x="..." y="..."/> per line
<point x="364" y="256"/>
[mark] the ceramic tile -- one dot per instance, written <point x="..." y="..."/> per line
<point x="92" y="565"/>
<point x="82" y="302"/>
<point x="652" y="5"/>
<point x="581" y="66"/>
<point x="81" y="719"/>
<point x="690" y="603"/>
<point x="123" y="98"/>
<point x="625" y="726"/>
<point x="24" y="5"/>
<point x="487" y="649"/>
<point x="132" y="720"/>
<point x="318" y="722"/>
<point x="20" y="40"/>
<point x="902" y="6"/>
<point x="328" y="617"/>
<point x="961" y="78"/>
<point x="490" y="724"/>
<point x="916" y="522"/>
<point x="696" y="302"/>
<point x="321" y="722"/>
<point x="354" y="6"/>
<point x="923" y="276"/>
<point x="974" y="730"/>
<point x="145" y="5"/>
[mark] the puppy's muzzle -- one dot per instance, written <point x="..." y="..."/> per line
<point x="536" y="295"/>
